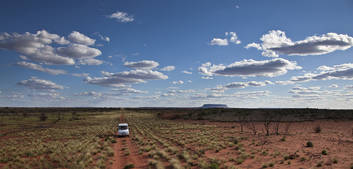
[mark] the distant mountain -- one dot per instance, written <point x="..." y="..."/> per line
<point x="205" y="106"/>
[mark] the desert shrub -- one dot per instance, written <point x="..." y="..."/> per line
<point x="319" y="164"/>
<point x="43" y="117"/>
<point x="271" y="165"/>
<point x="317" y="129"/>
<point x="264" y="166"/>
<point x="335" y="161"/>
<point x="324" y="152"/>
<point x="302" y="159"/>
<point x="214" y="165"/>
<point x="309" y="144"/>
<point x="283" y="139"/>
<point x="129" y="166"/>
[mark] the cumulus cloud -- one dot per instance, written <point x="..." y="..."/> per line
<point x="231" y="37"/>
<point x="80" y="74"/>
<point x="268" y="68"/>
<point x="122" y="17"/>
<point x="39" y="47"/>
<point x="104" y="38"/>
<point x="127" y="91"/>
<point x="168" y="68"/>
<point x="247" y="84"/>
<point x="144" y="64"/>
<point x="187" y="72"/>
<point x="179" y="82"/>
<point x="40" y="68"/>
<point x="341" y="72"/>
<point x="40" y="84"/>
<point x="333" y="86"/>
<point x="311" y="93"/>
<point x="36" y="46"/>
<point x="251" y="94"/>
<point x="93" y="94"/>
<point x="126" y="77"/>
<point x="90" y="61"/>
<point x="47" y="95"/>
<point x="219" y="42"/>
<point x="80" y="38"/>
<point x="78" y="51"/>
<point x="275" y="42"/>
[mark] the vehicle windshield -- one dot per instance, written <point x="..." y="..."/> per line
<point x="122" y="127"/>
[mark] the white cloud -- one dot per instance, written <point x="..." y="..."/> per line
<point x="126" y="77"/>
<point x="275" y="42"/>
<point x="253" y="45"/>
<point x="231" y="37"/>
<point x="187" y="72"/>
<point x="269" y="68"/>
<point x="93" y="94"/>
<point x="219" y="42"/>
<point x="78" y="51"/>
<point x="90" y="61"/>
<point x="144" y="64"/>
<point x="349" y="87"/>
<point x="46" y="95"/>
<point x="168" y="68"/>
<point x="333" y="86"/>
<point x="247" y="84"/>
<point x="179" y="82"/>
<point x="127" y="90"/>
<point x="341" y="72"/>
<point x="80" y="74"/>
<point x="40" y="84"/>
<point x="40" y="68"/>
<point x="104" y="38"/>
<point x="122" y="17"/>
<point x="80" y="38"/>
<point x="36" y="47"/>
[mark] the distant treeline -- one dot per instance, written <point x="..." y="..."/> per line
<point x="30" y="110"/>
<point x="213" y="114"/>
<point x="242" y="114"/>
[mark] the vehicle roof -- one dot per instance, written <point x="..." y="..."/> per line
<point x="123" y="124"/>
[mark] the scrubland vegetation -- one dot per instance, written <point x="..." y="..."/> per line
<point x="49" y="140"/>
<point x="84" y="138"/>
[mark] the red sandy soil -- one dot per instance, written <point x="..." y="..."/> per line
<point x="335" y="137"/>
<point x="121" y="160"/>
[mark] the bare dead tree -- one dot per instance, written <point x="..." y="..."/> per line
<point x="267" y="122"/>
<point x="277" y="121"/>
<point x="242" y="119"/>
<point x="252" y="126"/>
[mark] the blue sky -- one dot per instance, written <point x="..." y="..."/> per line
<point x="177" y="53"/>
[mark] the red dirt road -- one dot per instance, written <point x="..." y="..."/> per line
<point x="125" y="153"/>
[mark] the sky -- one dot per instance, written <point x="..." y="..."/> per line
<point x="177" y="53"/>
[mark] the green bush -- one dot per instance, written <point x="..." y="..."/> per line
<point x="129" y="166"/>
<point x="309" y="144"/>
<point x="324" y="152"/>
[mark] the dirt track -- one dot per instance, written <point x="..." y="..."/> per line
<point x="125" y="153"/>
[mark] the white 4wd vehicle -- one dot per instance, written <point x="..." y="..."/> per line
<point x="123" y="129"/>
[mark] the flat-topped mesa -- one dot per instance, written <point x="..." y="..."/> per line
<point x="205" y="106"/>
